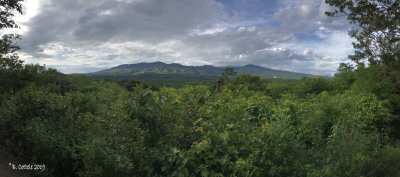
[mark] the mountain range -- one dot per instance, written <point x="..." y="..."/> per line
<point x="140" y="70"/>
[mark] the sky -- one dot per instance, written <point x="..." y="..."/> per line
<point x="90" y="35"/>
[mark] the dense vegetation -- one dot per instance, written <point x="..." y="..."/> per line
<point x="244" y="126"/>
<point x="158" y="80"/>
<point x="347" y="126"/>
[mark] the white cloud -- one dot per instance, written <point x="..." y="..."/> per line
<point x="328" y="52"/>
<point x="302" y="16"/>
<point x="30" y="9"/>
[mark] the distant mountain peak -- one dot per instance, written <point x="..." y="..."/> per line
<point x="158" y="62"/>
<point x="252" y="66"/>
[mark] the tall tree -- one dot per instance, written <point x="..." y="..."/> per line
<point x="7" y="10"/>
<point x="378" y="38"/>
<point x="8" y="7"/>
<point x="8" y="60"/>
<point x="10" y="66"/>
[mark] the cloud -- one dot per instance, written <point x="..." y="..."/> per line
<point x="229" y="47"/>
<point x="90" y="35"/>
<point x="302" y="16"/>
<point x="82" y="22"/>
<point x="328" y="51"/>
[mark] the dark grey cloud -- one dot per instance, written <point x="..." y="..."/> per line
<point x="90" y="21"/>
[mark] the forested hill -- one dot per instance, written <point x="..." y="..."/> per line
<point x="156" y="68"/>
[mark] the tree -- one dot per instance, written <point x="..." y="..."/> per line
<point x="307" y="85"/>
<point x="254" y="83"/>
<point x="9" y="60"/>
<point x="378" y="38"/>
<point x="229" y="72"/>
<point x="10" y="65"/>
<point x="7" y="9"/>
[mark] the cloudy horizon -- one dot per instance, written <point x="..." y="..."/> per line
<point x="91" y="35"/>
